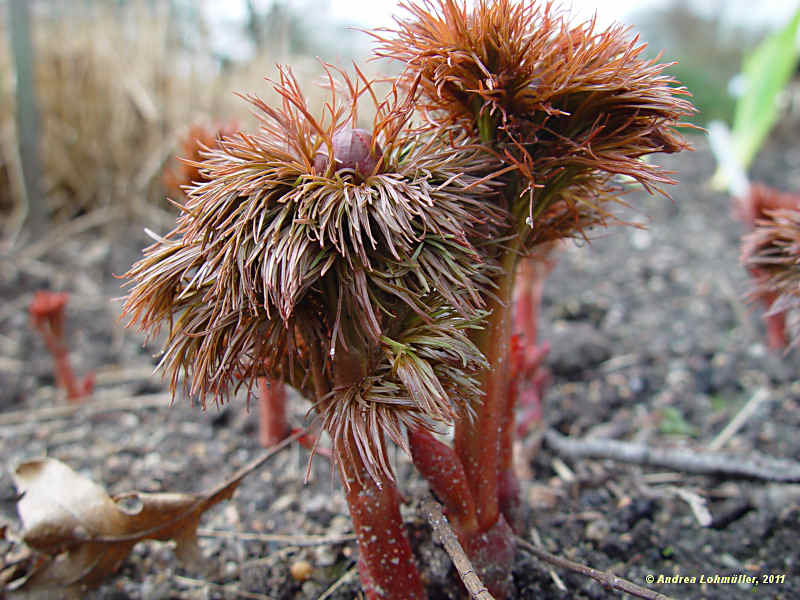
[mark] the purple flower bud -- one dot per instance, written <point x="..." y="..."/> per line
<point x="351" y="150"/>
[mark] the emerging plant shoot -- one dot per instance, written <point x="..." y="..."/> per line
<point x="373" y="268"/>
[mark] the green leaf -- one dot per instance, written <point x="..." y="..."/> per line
<point x="674" y="423"/>
<point x="767" y="71"/>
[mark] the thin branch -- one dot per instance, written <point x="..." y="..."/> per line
<point x="752" y="466"/>
<point x="696" y="502"/>
<point x="348" y="575"/>
<point x="742" y="417"/>
<point x="608" y="580"/>
<point x="56" y="237"/>
<point x="557" y="581"/>
<point x="441" y="528"/>
<point x="292" y="540"/>
<point x="86" y="409"/>
<point x="227" y="588"/>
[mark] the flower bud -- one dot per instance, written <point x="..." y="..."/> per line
<point x="351" y="150"/>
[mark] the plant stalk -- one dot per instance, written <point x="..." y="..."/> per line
<point x="385" y="562"/>
<point x="477" y="442"/>
<point x="272" y="424"/>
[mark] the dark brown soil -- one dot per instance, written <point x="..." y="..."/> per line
<point x="651" y="343"/>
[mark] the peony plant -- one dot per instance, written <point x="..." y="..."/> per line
<point x="373" y="268"/>
<point x="771" y="254"/>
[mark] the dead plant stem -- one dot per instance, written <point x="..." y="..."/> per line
<point x="609" y="580"/>
<point x="441" y="528"/>
<point x="752" y="466"/>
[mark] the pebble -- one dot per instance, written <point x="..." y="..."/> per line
<point x="301" y="570"/>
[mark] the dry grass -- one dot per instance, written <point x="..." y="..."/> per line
<point x="117" y="92"/>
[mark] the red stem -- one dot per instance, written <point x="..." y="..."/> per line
<point x="508" y="488"/>
<point x="47" y="316"/>
<point x="385" y="562"/>
<point x="777" y="338"/>
<point x="525" y="357"/>
<point x="272" y="422"/>
<point x="441" y="467"/>
<point x="66" y="376"/>
<point x="477" y="442"/>
<point x="491" y="551"/>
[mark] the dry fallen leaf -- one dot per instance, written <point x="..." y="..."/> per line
<point x="88" y="534"/>
<point x="82" y="534"/>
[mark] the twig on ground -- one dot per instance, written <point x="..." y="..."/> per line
<point x="696" y="502"/>
<point x="91" y="407"/>
<point x="537" y="541"/>
<point x="292" y="540"/>
<point x="11" y="365"/>
<point x="230" y="588"/>
<point x="608" y="580"/>
<point x="562" y="470"/>
<point x="752" y="466"/>
<point x="441" y="528"/>
<point x="57" y="235"/>
<point x="742" y="417"/>
<point x="116" y="375"/>
<point x="268" y="560"/>
<point x="347" y="576"/>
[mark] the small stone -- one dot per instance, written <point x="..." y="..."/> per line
<point x="301" y="570"/>
<point x="597" y="530"/>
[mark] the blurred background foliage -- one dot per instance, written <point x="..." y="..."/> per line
<point x="119" y="83"/>
<point x="708" y="51"/>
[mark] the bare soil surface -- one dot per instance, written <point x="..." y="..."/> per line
<point x="652" y="343"/>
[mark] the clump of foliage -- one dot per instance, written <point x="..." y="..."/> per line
<point x="771" y="254"/>
<point x="374" y="269"/>
<point x="179" y="177"/>
<point x="198" y="139"/>
<point x="769" y="249"/>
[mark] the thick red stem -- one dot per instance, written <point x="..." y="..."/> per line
<point x="491" y="551"/>
<point x="442" y="469"/>
<point x="524" y="385"/>
<point x="273" y="426"/>
<point x="529" y="289"/>
<point x="385" y="562"/>
<point x="492" y="555"/>
<point x="477" y="442"/>
<point x="508" y="488"/>
<point x="777" y="338"/>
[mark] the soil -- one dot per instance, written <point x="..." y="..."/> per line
<point x="652" y="343"/>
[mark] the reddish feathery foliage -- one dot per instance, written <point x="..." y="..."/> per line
<point x="771" y="253"/>
<point x="564" y="109"/>
<point x="271" y="259"/>
<point x="199" y="139"/>
<point x="374" y="269"/>
<point x="178" y="178"/>
<point x="568" y="105"/>
<point x="356" y="280"/>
